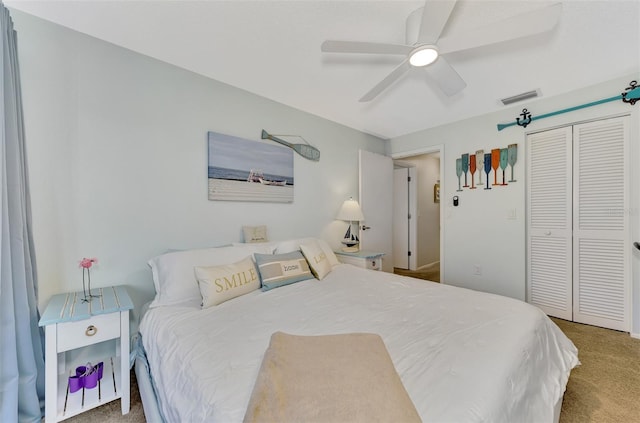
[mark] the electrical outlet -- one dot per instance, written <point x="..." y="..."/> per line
<point x="512" y="214"/>
<point x="477" y="270"/>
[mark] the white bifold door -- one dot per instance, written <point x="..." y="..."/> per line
<point x="578" y="265"/>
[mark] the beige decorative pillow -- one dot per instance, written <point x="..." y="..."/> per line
<point x="221" y="283"/>
<point x="294" y="245"/>
<point x="317" y="259"/>
<point x="255" y="233"/>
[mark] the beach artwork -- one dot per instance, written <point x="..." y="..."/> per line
<point x="244" y="170"/>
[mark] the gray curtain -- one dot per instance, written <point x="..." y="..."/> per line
<point x="21" y="345"/>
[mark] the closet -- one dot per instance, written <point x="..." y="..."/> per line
<point x="578" y="237"/>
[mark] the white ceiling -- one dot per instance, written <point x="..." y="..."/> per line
<point x="272" y="48"/>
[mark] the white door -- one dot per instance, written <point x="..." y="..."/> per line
<point x="578" y="238"/>
<point x="549" y="222"/>
<point x="376" y="200"/>
<point x="413" y="218"/>
<point x="601" y="262"/>
<point x="401" y="234"/>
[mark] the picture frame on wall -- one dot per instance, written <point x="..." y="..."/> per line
<point x="245" y="170"/>
<point x="436" y="192"/>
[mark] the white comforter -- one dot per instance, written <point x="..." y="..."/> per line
<point x="463" y="356"/>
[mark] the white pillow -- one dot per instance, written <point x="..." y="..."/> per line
<point x="173" y="275"/>
<point x="221" y="283"/>
<point x="294" y="245"/>
<point x="317" y="259"/>
<point x="271" y="245"/>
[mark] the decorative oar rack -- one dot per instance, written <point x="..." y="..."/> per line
<point x="630" y="96"/>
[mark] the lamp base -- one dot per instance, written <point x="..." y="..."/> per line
<point x="351" y="249"/>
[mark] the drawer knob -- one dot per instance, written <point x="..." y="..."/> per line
<point x="91" y="330"/>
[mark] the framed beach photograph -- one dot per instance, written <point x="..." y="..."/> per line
<point x="245" y="170"/>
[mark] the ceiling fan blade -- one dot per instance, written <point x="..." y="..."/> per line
<point x="386" y="82"/>
<point x="445" y="76"/>
<point x="331" y="46"/>
<point x="518" y="26"/>
<point x="434" y="17"/>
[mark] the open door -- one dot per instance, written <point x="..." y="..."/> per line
<point x="405" y="216"/>
<point x="376" y="200"/>
<point x="401" y="234"/>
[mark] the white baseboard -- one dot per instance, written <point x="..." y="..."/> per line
<point x="635" y="335"/>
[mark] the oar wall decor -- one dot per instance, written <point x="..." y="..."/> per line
<point x="630" y="96"/>
<point x="305" y="150"/>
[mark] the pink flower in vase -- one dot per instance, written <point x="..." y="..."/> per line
<point x="85" y="265"/>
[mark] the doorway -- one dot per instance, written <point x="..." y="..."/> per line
<point x="423" y="218"/>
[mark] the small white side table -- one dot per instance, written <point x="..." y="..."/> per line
<point x="71" y="324"/>
<point x="365" y="259"/>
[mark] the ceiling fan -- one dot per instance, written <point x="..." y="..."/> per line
<point x="425" y="48"/>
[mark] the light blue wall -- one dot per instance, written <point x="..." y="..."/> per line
<point x="117" y="149"/>
<point x="479" y="231"/>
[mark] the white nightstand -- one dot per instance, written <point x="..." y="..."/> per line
<point x="70" y="325"/>
<point x="364" y="259"/>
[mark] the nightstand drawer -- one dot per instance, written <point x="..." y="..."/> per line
<point x="364" y="259"/>
<point x="372" y="263"/>
<point x="81" y="333"/>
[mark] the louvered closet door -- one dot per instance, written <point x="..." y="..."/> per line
<point x="549" y="221"/>
<point x="601" y="265"/>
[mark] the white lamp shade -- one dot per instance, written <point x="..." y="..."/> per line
<point x="350" y="211"/>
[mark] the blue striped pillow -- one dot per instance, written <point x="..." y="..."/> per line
<point x="277" y="270"/>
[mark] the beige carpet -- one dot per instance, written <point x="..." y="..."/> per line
<point x="604" y="389"/>
<point x="606" y="386"/>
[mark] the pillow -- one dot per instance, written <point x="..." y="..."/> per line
<point x="294" y="245"/>
<point x="255" y="234"/>
<point x="173" y="276"/>
<point x="282" y="269"/>
<point x="221" y="283"/>
<point x="317" y="259"/>
<point x="271" y="245"/>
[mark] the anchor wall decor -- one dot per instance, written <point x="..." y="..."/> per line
<point x="630" y="96"/>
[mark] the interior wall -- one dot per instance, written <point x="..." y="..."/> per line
<point x="428" y="170"/>
<point x="117" y="151"/>
<point x="486" y="233"/>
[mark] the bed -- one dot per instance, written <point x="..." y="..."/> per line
<point x="462" y="355"/>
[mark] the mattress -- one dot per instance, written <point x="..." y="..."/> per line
<point x="462" y="355"/>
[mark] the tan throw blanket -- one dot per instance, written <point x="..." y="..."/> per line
<point x="331" y="378"/>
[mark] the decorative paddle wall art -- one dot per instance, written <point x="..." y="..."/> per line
<point x="459" y="172"/>
<point x="480" y="165"/>
<point x="244" y="170"/>
<point x="487" y="167"/>
<point x="513" y="157"/>
<point x="630" y="96"/>
<point x="465" y="169"/>
<point x="472" y="169"/>
<point x="497" y="161"/>
<point x="305" y="150"/>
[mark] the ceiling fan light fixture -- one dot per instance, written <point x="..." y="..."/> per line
<point x="423" y="56"/>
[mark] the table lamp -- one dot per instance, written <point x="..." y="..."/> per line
<point x="350" y="212"/>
